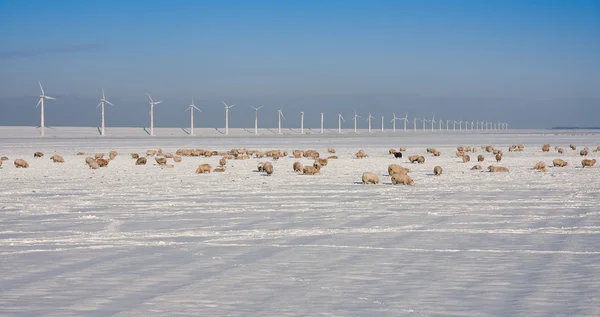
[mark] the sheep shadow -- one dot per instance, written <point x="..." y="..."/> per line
<point x="268" y="129"/>
<point x="248" y="131"/>
<point x="186" y="131"/>
<point x="146" y="130"/>
<point x="99" y="131"/>
<point x="219" y="131"/>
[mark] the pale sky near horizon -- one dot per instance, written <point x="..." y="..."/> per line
<point x="534" y="64"/>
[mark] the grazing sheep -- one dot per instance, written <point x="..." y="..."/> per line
<point x="437" y="170"/>
<point x="203" y="168"/>
<point x="561" y="150"/>
<point x="177" y="159"/>
<point x="167" y="166"/>
<point x="57" y="158"/>
<point x="330" y="150"/>
<point x="80" y="153"/>
<point x="38" y="154"/>
<point x="480" y="158"/>
<point x="499" y="157"/>
<point x="141" y="161"/>
<point x="402" y="179"/>
<point x="311" y="170"/>
<point x="361" y="154"/>
<point x="260" y="166"/>
<point x="4" y="158"/>
<point x="397" y="169"/>
<point x="222" y="161"/>
<point x="268" y="168"/>
<point x="161" y="160"/>
<point x="219" y="169"/>
<point x="497" y="169"/>
<point x="135" y="156"/>
<point x="421" y="160"/>
<point x="584" y="152"/>
<point x="369" y="178"/>
<point x="398" y="155"/>
<point x="540" y="166"/>
<point x="19" y="163"/>
<point x="588" y="163"/>
<point x="466" y="158"/>
<point x="93" y="164"/>
<point x="476" y="167"/>
<point x="403" y="149"/>
<point x="559" y="163"/>
<point x="99" y="155"/>
<point x="112" y="155"/>
<point x="322" y="161"/>
<point x="413" y="158"/>
<point x="298" y="167"/>
<point x="102" y="162"/>
<point x="573" y="147"/>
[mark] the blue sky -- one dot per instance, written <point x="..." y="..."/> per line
<point x="533" y="63"/>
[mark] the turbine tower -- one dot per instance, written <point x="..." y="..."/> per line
<point x="256" y="118"/>
<point x="322" y="122"/>
<point x="41" y="102"/>
<point x="152" y="104"/>
<point x="340" y="119"/>
<point x="356" y="116"/>
<point x="369" y="120"/>
<point x="405" y="119"/>
<point x="191" y="110"/>
<point x="415" y="124"/>
<point x="394" y="118"/>
<point x="382" y="130"/>
<point x="440" y="122"/>
<point x="432" y="122"/>
<point x="102" y="101"/>
<point x="424" y="121"/>
<point x="302" y="122"/>
<point x="227" y="116"/>
<point x="279" y="116"/>
<point x="447" y="124"/>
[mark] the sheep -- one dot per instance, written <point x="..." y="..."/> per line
<point x="203" y="168"/>
<point x="597" y="149"/>
<point x="466" y="158"/>
<point x="546" y="148"/>
<point x="102" y="162"/>
<point x="561" y="150"/>
<point x="99" y="155"/>
<point x="89" y="159"/>
<point x="268" y="168"/>
<point x="112" y="155"/>
<point x="436" y="153"/>
<point x="167" y="166"/>
<point x="93" y="164"/>
<point x="476" y="167"/>
<point x="413" y="158"/>
<point x="489" y="149"/>
<point x="311" y="170"/>
<point x="219" y="169"/>
<point x="584" y="152"/>
<point x="140" y="161"/>
<point x="398" y="155"/>
<point x="57" y="158"/>
<point x="80" y="153"/>
<point x="332" y="157"/>
<point x="135" y="156"/>
<point x="499" y="157"/>
<point x="403" y="149"/>
<point x="330" y="150"/>
<point x="222" y="161"/>
<point x="161" y="160"/>
<point x="392" y="151"/>
<point x="20" y="163"/>
<point x="150" y="153"/>
<point x="480" y="158"/>
<point x="298" y="167"/>
<point x="573" y="147"/>
<point x="297" y="153"/>
<point x="360" y="154"/>
<point x="369" y="178"/>
<point x="169" y="155"/>
<point x="497" y="169"/>
<point x="588" y="163"/>
<point x="275" y="156"/>
<point x="397" y="169"/>
<point x="4" y="158"/>
<point x="460" y="153"/>
<point x="520" y="146"/>
<point x="559" y="163"/>
<point x="460" y="149"/>
<point x="437" y="170"/>
<point x="260" y="166"/>
<point x="322" y="161"/>
<point x="402" y="179"/>
<point x="38" y="154"/>
<point x="540" y="166"/>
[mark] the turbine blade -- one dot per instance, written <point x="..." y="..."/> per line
<point x="42" y="89"/>
<point x="224" y="103"/>
<point x="103" y="94"/>
<point x="39" y="102"/>
<point x="108" y="102"/>
<point x="157" y="102"/>
<point x="197" y="108"/>
<point x="49" y="98"/>
<point x="100" y="104"/>
<point x="149" y="97"/>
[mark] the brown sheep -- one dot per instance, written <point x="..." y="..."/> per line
<point x="573" y="147"/>
<point x="332" y="157"/>
<point x="489" y="149"/>
<point x="177" y="159"/>
<point x="436" y="153"/>
<point x="330" y="150"/>
<point x="141" y="161"/>
<point x="150" y="153"/>
<point x="38" y="154"/>
<point x="397" y="169"/>
<point x="112" y="155"/>
<point x="311" y="170"/>
<point x="4" y="158"/>
<point x="219" y="169"/>
<point x="222" y="161"/>
<point x="466" y="158"/>
<point x="540" y="166"/>
<point x="413" y="158"/>
<point x="460" y="153"/>
<point x="298" y="167"/>
<point x="322" y="161"/>
<point x="99" y="155"/>
<point x="480" y="158"/>
<point x="499" y="157"/>
<point x="561" y="150"/>
<point x="402" y="179"/>
<point x="297" y="153"/>
<point x="520" y="146"/>
<point x="584" y="152"/>
<point x="588" y="163"/>
<point x="361" y="154"/>
<point x="102" y="162"/>
<point x="284" y="154"/>
<point x="161" y="160"/>
<point x="476" y="167"/>
<point x="421" y="160"/>
<point x="460" y="149"/>
<point x="437" y="170"/>
<point x="559" y="163"/>
<point x="135" y="156"/>
<point x="57" y="158"/>
<point x="203" y="168"/>
<point x="546" y="148"/>
<point x="369" y="178"/>
<point x="80" y="153"/>
<point x="497" y="169"/>
<point x="169" y="155"/>
<point x="19" y="163"/>
<point x="268" y="168"/>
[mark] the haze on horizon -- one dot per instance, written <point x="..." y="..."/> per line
<point x="531" y="63"/>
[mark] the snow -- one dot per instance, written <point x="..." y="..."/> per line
<point x="132" y="240"/>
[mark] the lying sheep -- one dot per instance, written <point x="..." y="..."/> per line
<point x="102" y="162"/>
<point x="436" y="153"/>
<point x="476" y="167"/>
<point x="141" y="161"/>
<point x="93" y="164"/>
<point x="177" y="159"/>
<point x="466" y="158"/>
<point x="298" y="167"/>
<point x="80" y="153"/>
<point x="540" y="166"/>
<point x="402" y="179"/>
<point x="135" y="156"/>
<point x="89" y="159"/>
<point x="112" y="155"/>
<point x="150" y="153"/>
<point x="219" y="169"/>
<point x="559" y="163"/>
<point x="330" y="150"/>
<point x="397" y="169"/>
<point x="169" y="155"/>
<point x="203" y="168"/>
<point x="588" y="163"/>
<point x="38" y="154"/>
<point x="19" y="163"/>
<point x="161" y="160"/>
<point x="168" y="166"/>
<point x="268" y="168"/>
<point x="499" y="157"/>
<point x="4" y="158"/>
<point x="370" y="178"/>
<point x="332" y="157"/>
<point x="497" y="169"/>
<point x="57" y="158"/>
<point x="437" y="170"/>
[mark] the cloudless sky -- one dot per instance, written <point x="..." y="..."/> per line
<point x="533" y="63"/>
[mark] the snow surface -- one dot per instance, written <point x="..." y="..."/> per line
<point x="132" y="240"/>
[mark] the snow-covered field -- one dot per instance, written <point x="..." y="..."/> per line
<point x="144" y="241"/>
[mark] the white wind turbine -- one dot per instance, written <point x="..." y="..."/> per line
<point x="322" y="122"/>
<point x="454" y="125"/>
<point x="256" y="118"/>
<point x="447" y="125"/>
<point x="394" y="118"/>
<point x="340" y="119"/>
<point x="191" y="109"/>
<point x="302" y="122"/>
<point x="356" y="116"/>
<point x="382" y="130"/>
<point x="279" y="116"/>
<point x="102" y="101"/>
<point x="152" y="104"/>
<point x="405" y="119"/>
<point x="432" y="122"/>
<point x="440" y="122"/>
<point x="424" y="122"/>
<point x="369" y="120"/>
<point x="227" y="107"/>
<point x="460" y="125"/>
<point x="41" y="102"/>
<point x="415" y="124"/>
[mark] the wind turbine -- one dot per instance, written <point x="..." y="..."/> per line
<point x="369" y="120"/>
<point x="256" y="118"/>
<point x="405" y="119"/>
<point x="424" y="121"/>
<point x="302" y="122"/>
<point x="322" y="122"/>
<point x="356" y="116"/>
<point x="152" y="104"/>
<point x="382" y="130"/>
<point x="432" y="122"/>
<point x="415" y="124"/>
<point x="447" y="125"/>
<point x="340" y="119"/>
<point x="191" y="110"/>
<point x="505" y="125"/>
<point x="440" y="122"/>
<point x="460" y="125"/>
<point x="102" y="101"/>
<point x="41" y="102"/>
<point x="454" y="125"/>
<point x="227" y="116"/>
<point x="394" y="118"/>
<point x="279" y="116"/>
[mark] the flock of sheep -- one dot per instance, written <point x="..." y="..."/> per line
<point x="397" y="173"/>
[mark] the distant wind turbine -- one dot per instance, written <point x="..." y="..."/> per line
<point x="322" y="122"/>
<point x="340" y="119"/>
<point x="382" y="130"/>
<point x="356" y="116"/>
<point x="424" y="121"/>
<point x="152" y="104"/>
<point x="279" y="116"/>
<point x="256" y="118"/>
<point x="415" y="124"/>
<point x="227" y="107"/>
<point x="405" y="119"/>
<point x="191" y="109"/>
<point x="102" y="101"/>
<point x="369" y="120"/>
<point x="41" y="102"/>
<point x="394" y="118"/>
<point x="432" y="122"/>
<point x="302" y="122"/>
